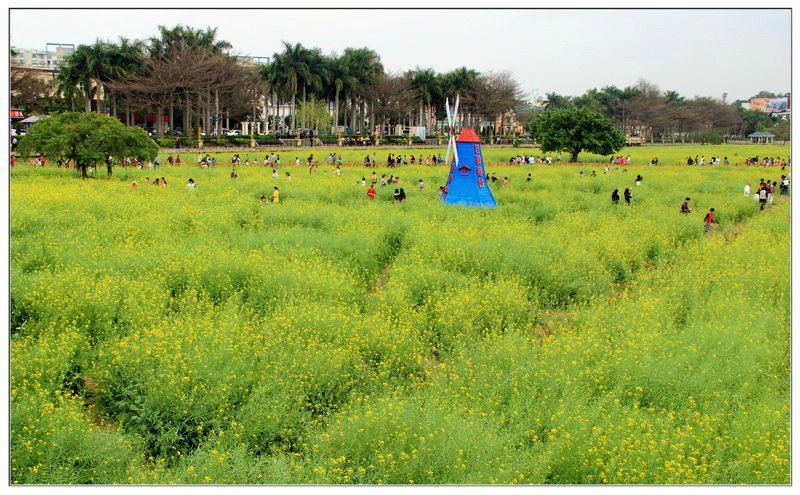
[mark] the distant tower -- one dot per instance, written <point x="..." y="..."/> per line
<point x="466" y="184"/>
<point x="724" y="97"/>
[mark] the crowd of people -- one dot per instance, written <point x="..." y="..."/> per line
<point x="764" y="193"/>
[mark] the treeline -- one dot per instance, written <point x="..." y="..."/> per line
<point x="195" y="81"/>
<point x="191" y="80"/>
<point x="665" y="116"/>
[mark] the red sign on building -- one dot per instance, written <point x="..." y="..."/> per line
<point x="16" y="114"/>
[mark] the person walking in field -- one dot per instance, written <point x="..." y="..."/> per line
<point x="762" y="196"/>
<point x="709" y="219"/>
<point x="615" y="197"/>
<point x="628" y="194"/>
<point x="770" y="187"/>
<point x="421" y="185"/>
<point x="685" y="206"/>
<point x="747" y="190"/>
<point x="275" y="195"/>
<point x="371" y="193"/>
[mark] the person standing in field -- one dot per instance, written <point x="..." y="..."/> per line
<point x="615" y="197"/>
<point x="762" y="196"/>
<point x="275" y="195"/>
<point x="770" y="192"/>
<point x="402" y="195"/>
<point x="628" y="194"/>
<point x="191" y="185"/>
<point x="396" y="196"/>
<point x="747" y="190"/>
<point x="421" y="185"/>
<point x="371" y="193"/>
<point x="709" y="219"/>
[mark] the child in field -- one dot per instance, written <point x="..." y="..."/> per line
<point x="275" y="196"/>
<point x="421" y="185"/>
<point x="747" y="190"/>
<point x="191" y="185"/>
<point x="396" y="196"/>
<point x="628" y="194"/>
<point x="709" y="219"/>
<point x="615" y="197"/>
<point x="685" y="206"/>
<point x="264" y="200"/>
<point x="371" y="193"/>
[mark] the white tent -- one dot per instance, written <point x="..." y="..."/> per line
<point x="32" y="119"/>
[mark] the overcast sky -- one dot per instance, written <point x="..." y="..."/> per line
<point x="694" y="52"/>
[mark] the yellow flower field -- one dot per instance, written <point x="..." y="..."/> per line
<point x="160" y="335"/>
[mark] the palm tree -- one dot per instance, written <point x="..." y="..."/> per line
<point x="293" y="66"/>
<point x="364" y="66"/>
<point x="127" y="59"/>
<point x="338" y="78"/>
<point x="73" y="82"/>
<point x="314" y="74"/>
<point x="425" y="89"/>
<point x="461" y="81"/>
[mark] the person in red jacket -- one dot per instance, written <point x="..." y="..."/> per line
<point x="709" y="219"/>
<point x="371" y="193"/>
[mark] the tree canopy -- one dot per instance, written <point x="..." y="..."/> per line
<point x="575" y="130"/>
<point x="87" y="139"/>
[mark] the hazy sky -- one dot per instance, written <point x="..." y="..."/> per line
<point x="694" y="52"/>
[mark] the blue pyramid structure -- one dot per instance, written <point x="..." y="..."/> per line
<point x="467" y="184"/>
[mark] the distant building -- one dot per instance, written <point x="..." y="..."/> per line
<point x="251" y="60"/>
<point x="762" y="137"/>
<point x="779" y="106"/>
<point x="42" y="64"/>
<point x="50" y="58"/>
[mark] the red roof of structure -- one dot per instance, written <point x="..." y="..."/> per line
<point x="468" y="136"/>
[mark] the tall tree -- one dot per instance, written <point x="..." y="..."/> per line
<point x="87" y="139"/>
<point x="575" y="130"/>
<point x="426" y="89"/>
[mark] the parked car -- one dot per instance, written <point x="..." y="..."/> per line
<point x="234" y="132"/>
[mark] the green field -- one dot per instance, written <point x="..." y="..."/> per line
<point x="164" y="336"/>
